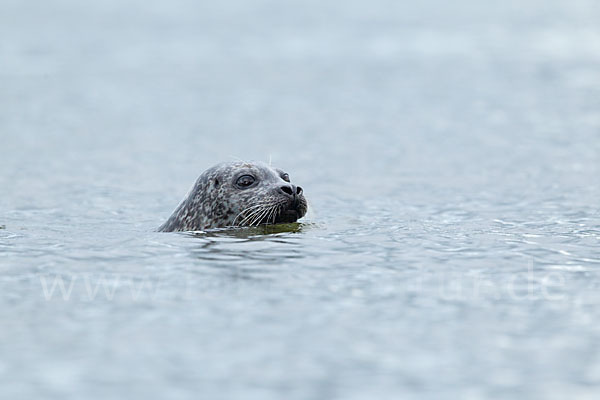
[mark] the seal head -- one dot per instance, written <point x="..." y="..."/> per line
<point x="238" y="194"/>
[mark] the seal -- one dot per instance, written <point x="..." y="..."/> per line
<point x="238" y="194"/>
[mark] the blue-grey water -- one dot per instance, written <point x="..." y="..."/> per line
<point x="450" y="152"/>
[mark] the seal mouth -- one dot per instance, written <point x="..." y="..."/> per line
<point x="287" y="216"/>
<point x="275" y="211"/>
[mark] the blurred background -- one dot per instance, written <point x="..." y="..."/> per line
<point x="158" y="91"/>
<point x="434" y="140"/>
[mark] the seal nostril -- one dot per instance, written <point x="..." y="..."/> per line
<point x="298" y="190"/>
<point x="287" y="190"/>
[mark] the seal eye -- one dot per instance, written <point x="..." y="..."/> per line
<point x="285" y="177"/>
<point x="245" y="180"/>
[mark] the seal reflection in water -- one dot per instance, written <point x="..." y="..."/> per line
<point x="238" y="194"/>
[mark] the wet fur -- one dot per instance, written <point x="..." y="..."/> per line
<point x="215" y="201"/>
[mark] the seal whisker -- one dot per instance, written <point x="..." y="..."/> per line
<point x="251" y="215"/>
<point x="274" y="212"/>
<point x="260" y="216"/>
<point x="255" y="213"/>
<point x="250" y="220"/>
<point x="246" y="210"/>
<point x="267" y="214"/>
<point x="270" y="215"/>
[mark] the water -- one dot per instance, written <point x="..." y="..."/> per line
<point x="450" y="152"/>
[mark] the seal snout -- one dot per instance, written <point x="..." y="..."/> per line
<point x="291" y="190"/>
<point x="295" y="203"/>
<point x="293" y="193"/>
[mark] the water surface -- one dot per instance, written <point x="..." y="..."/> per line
<point x="450" y="153"/>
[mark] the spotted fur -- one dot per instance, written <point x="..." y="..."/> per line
<point x="216" y="201"/>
